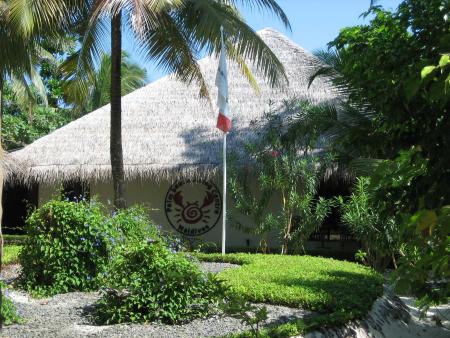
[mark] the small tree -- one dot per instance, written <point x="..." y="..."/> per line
<point x="287" y="170"/>
<point x="378" y="234"/>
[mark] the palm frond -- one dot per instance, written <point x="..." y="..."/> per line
<point x="203" y="20"/>
<point x="269" y="5"/>
<point x="173" y="49"/>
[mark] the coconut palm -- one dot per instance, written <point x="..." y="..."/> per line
<point x="172" y="32"/>
<point x="133" y="77"/>
<point x="18" y="55"/>
<point x="350" y="133"/>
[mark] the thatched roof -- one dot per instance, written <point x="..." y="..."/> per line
<point x="168" y="131"/>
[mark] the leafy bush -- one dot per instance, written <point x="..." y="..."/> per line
<point x="424" y="269"/>
<point x="66" y="247"/>
<point x="145" y="281"/>
<point x="379" y="235"/>
<point x="8" y="313"/>
<point x="128" y="225"/>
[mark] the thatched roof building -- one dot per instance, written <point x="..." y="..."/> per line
<point x="168" y="131"/>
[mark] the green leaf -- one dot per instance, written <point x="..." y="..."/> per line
<point x="426" y="71"/>
<point x="445" y="60"/>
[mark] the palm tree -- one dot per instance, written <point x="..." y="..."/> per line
<point x="350" y="132"/>
<point x="172" y="32"/>
<point x="133" y="77"/>
<point x="18" y="55"/>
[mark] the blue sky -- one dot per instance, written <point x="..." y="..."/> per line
<point x="314" y="23"/>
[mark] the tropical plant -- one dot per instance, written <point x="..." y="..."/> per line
<point x="397" y="66"/>
<point x="378" y="235"/>
<point x="287" y="166"/>
<point x="132" y="78"/>
<point x="66" y="248"/>
<point x="8" y="311"/>
<point x="18" y="57"/>
<point x="18" y="132"/>
<point x="424" y="268"/>
<point x="171" y="32"/>
<point x="145" y="282"/>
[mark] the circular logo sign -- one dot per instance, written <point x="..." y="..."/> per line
<point x="193" y="207"/>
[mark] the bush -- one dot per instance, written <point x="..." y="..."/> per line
<point x="66" y="247"/>
<point x="145" y="282"/>
<point x="8" y="311"/>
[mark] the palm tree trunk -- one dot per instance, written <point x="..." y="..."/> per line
<point x="116" y="150"/>
<point x="1" y="192"/>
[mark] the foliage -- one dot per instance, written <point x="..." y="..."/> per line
<point x="383" y="63"/>
<point x="287" y="169"/>
<point x="11" y="254"/>
<point x="425" y="269"/>
<point x="251" y="315"/>
<point x="132" y="78"/>
<point x="8" y="312"/>
<point x="318" y="284"/>
<point x="436" y="81"/>
<point x="378" y="234"/>
<point x="145" y="282"/>
<point x="60" y="47"/>
<point x="396" y="68"/>
<point x="18" y="132"/>
<point x="173" y="34"/>
<point x="66" y="248"/>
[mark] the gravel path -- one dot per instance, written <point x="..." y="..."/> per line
<point x="63" y="316"/>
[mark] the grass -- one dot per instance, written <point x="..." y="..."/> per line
<point x="339" y="291"/>
<point x="11" y="254"/>
<point x="14" y="239"/>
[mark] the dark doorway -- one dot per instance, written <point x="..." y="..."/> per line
<point x="18" y="201"/>
<point x="333" y="239"/>
<point x="76" y="191"/>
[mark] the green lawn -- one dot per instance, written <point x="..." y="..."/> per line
<point x="11" y="254"/>
<point x="339" y="290"/>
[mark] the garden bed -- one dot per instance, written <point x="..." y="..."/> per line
<point x="67" y="315"/>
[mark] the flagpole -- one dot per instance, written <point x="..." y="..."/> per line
<point x="224" y="201"/>
<point x="224" y="125"/>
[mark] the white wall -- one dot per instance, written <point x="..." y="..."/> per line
<point x="153" y="194"/>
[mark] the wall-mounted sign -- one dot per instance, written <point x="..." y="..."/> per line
<point x="193" y="207"/>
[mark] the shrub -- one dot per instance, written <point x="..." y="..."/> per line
<point x="8" y="313"/>
<point x="145" y="281"/>
<point x="66" y="247"/>
<point x="286" y="169"/>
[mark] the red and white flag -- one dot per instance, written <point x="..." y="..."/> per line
<point x="224" y="118"/>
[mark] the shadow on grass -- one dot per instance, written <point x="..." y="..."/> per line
<point x="341" y="290"/>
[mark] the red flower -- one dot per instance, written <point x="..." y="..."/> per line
<point x="274" y="153"/>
